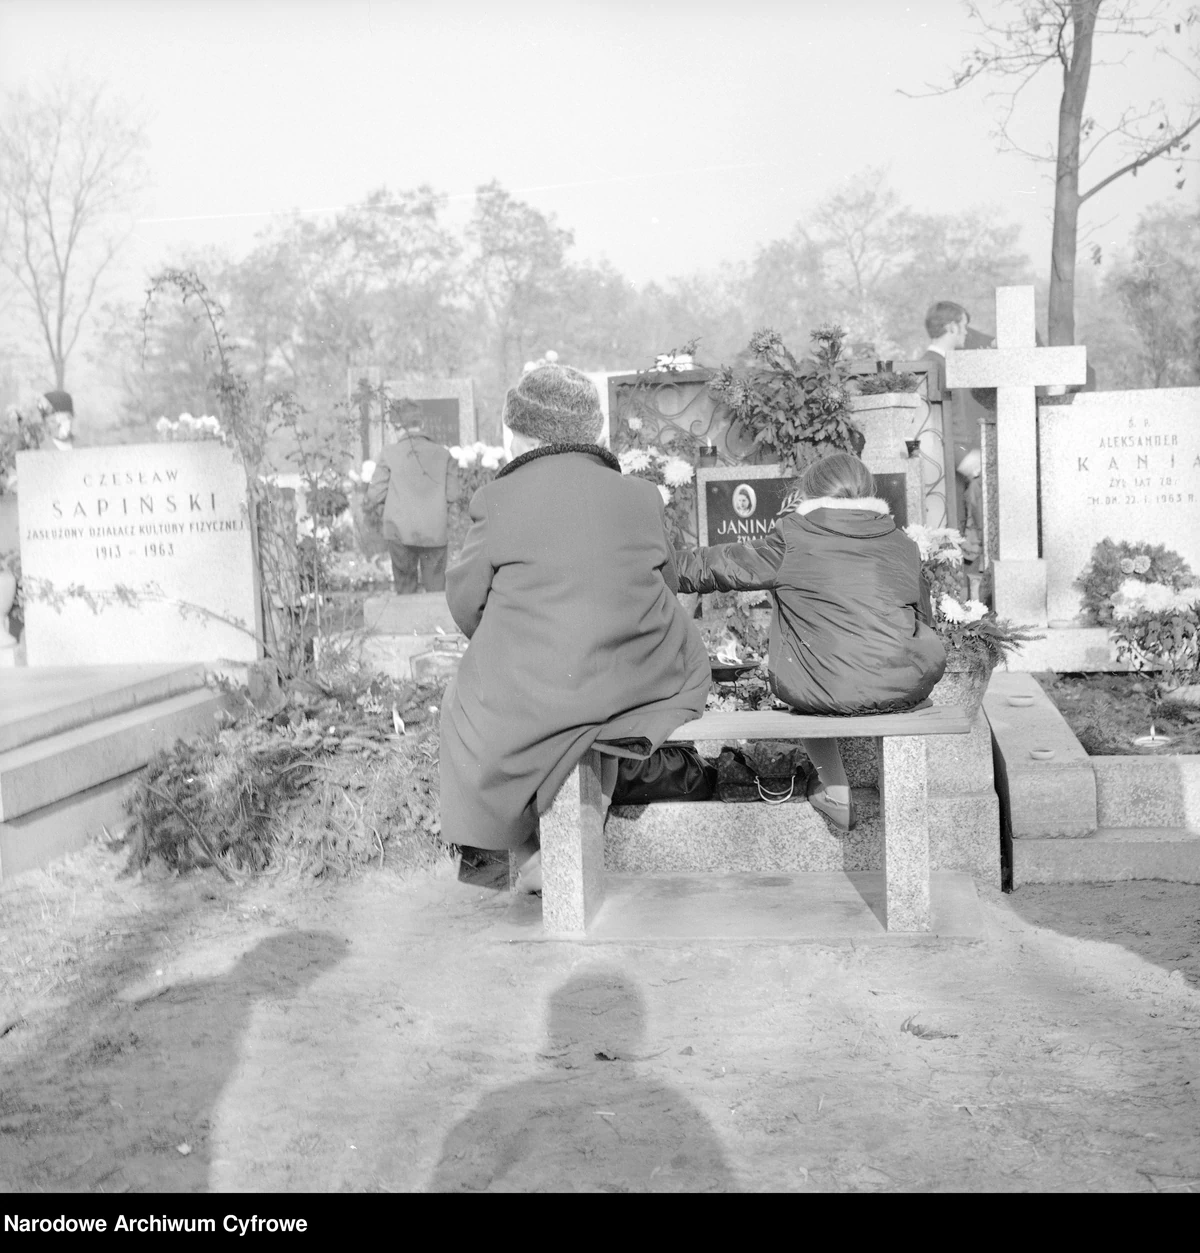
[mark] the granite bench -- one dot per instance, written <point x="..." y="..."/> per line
<point x="572" y="831"/>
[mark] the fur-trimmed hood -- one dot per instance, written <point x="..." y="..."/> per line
<point x="868" y="504"/>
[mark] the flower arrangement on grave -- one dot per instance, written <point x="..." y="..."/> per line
<point x="671" y="470"/>
<point x="477" y="465"/>
<point x="1112" y="564"/>
<point x="794" y="410"/>
<point x="886" y="382"/>
<point x="187" y="428"/>
<point x="22" y="429"/>
<point x="976" y="641"/>
<point x="1156" y="627"/>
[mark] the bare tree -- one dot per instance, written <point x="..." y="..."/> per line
<point x="70" y="167"/>
<point x="1066" y="33"/>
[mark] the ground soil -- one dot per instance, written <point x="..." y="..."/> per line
<point x="1107" y="712"/>
<point x="186" y="1034"/>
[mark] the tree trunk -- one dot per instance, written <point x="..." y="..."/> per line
<point x="1066" y="185"/>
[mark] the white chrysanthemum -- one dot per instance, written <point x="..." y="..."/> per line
<point x="1135" y="596"/>
<point x="368" y="471"/>
<point x="551" y="355"/>
<point x="634" y="424"/>
<point x="455" y="451"/>
<point x="490" y="460"/>
<point x="677" y="472"/>
<point x="634" y="460"/>
<point x="665" y="493"/>
<point x="163" y="425"/>
<point x="975" y="610"/>
<point x="920" y="536"/>
<point x="951" y="610"/>
<point x="186" y="419"/>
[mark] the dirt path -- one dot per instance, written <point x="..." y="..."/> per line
<point x="190" y="1035"/>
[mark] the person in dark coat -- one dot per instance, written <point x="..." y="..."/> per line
<point x="566" y="589"/>
<point x="849" y="626"/>
<point x="414" y="482"/>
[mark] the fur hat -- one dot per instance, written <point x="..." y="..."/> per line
<point x="556" y="404"/>
<point x="59" y="402"/>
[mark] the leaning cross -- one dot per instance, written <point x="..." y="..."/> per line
<point x="1015" y="367"/>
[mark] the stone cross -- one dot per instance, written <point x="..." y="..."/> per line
<point x="1015" y="367"/>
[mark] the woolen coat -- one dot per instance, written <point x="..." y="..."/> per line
<point x="849" y="631"/>
<point x="566" y="590"/>
<point x="413" y="482"/>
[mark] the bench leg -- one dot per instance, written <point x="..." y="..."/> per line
<point x="572" y="836"/>
<point x="903" y="804"/>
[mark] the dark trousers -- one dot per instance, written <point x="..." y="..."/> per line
<point x="407" y="560"/>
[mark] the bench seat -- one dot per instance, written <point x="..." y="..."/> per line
<point x="572" y="831"/>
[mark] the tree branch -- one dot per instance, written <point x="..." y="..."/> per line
<point x="1143" y="159"/>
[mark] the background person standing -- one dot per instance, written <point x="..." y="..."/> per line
<point x="414" y="482"/>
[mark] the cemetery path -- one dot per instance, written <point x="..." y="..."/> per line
<point x="187" y="1035"/>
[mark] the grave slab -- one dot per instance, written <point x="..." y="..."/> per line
<point x="1149" y="791"/>
<point x="1053" y="797"/>
<point x="422" y="613"/>
<point x="41" y="701"/>
<point x="51" y="769"/>
<point x="1109" y="855"/>
<point x="137" y="554"/>
<point x="40" y="837"/>
<point x="833" y="908"/>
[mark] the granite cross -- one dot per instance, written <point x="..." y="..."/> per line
<point x="1015" y="367"/>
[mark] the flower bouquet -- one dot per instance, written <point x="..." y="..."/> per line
<point x="976" y="641"/>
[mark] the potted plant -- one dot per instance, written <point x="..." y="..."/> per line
<point x="976" y="641"/>
<point x="791" y="410"/>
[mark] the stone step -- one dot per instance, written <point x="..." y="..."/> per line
<point x="677" y="837"/>
<point x="1158" y="791"/>
<point x="36" y="839"/>
<point x="40" y="701"/>
<point x="1109" y="855"/>
<point x="37" y="774"/>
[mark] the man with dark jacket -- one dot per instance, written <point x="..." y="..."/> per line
<point x="414" y="482"/>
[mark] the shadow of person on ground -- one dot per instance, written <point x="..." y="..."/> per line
<point x="1156" y="920"/>
<point x="592" y="1120"/>
<point x="133" y="1108"/>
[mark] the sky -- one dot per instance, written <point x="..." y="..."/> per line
<point x="668" y="136"/>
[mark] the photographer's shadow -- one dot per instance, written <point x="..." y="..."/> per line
<point x="590" y="1122"/>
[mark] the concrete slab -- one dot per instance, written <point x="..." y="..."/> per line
<point x="36" y="839"/>
<point x="39" y="701"/>
<point x="420" y="614"/>
<point x="1051" y="797"/>
<point x="1110" y="856"/>
<point x="1150" y="791"/>
<point x="821" y="908"/>
<point x="1069" y="650"/>
<point x="51" y="769"/>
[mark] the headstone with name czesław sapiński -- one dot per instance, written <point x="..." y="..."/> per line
<point x="137" y="553"/>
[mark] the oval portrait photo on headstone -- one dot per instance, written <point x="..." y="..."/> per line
<point x="744" y="500"/>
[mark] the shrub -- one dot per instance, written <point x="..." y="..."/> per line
<point x="1112" y="563"/>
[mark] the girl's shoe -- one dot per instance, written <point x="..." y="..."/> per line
<point x="529" y="877"/>
<point x="840" y="813"/>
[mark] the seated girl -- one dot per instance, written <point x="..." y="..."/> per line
<point x="849" y="631"/>
<point x="566" y="588"/>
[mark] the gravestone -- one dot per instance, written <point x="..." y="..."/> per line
<point x="137" y="553"/>
<point x="1015" y="367"/>
<point x="447" y="407"/>
<point x="1122" y="466"/>
<point x="739" y="504"/>
<point x="904" y="453"/>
